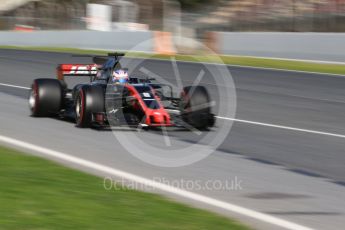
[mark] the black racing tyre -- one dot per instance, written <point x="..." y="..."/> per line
<point x="195" y="107"/>
<point x="88" y="100"/>
<point x="45" y="97"/>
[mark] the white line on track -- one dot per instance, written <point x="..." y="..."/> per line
<point x="14" y="86"/>
<point x="282" y="127"/>
<point x="287" y="70"/>
<point x="289" y="59"/>
<point x="242" y="121"/>
<point x="154" y="184"/>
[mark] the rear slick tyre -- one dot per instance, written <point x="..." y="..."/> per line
<point x="45" y="97"/>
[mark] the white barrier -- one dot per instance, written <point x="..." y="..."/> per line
<point x="114" y="40"/>
<point x="310" y="46"/>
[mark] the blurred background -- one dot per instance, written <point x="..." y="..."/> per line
<point x="194" y="16"/>
<point x="201" y="21"/>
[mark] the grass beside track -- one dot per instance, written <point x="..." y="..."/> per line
<point x="38" y="194"/>
<point x="230" y="60"/>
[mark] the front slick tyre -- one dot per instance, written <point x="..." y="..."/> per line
<point x="89" y="99"/>
<point x="83" y="113"/>
<point x="196" y="107"/>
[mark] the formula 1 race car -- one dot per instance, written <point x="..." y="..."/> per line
<point x="112" y="98"/>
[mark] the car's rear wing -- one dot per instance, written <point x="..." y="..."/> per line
<point x="87" y="70"/>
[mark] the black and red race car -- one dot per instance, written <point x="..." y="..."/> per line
<point x="139" y="102"/>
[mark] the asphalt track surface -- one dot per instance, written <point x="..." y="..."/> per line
<point x="292" y="174"/>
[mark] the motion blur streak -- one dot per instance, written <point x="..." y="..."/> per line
<point x="241" y="121"/>
<point x="131" y="177"/>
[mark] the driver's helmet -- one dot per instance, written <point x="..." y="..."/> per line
<point x="120" y="76"/>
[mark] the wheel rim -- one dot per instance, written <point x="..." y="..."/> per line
<point x="33" y="99"/>
<point x="78" y="108"/>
